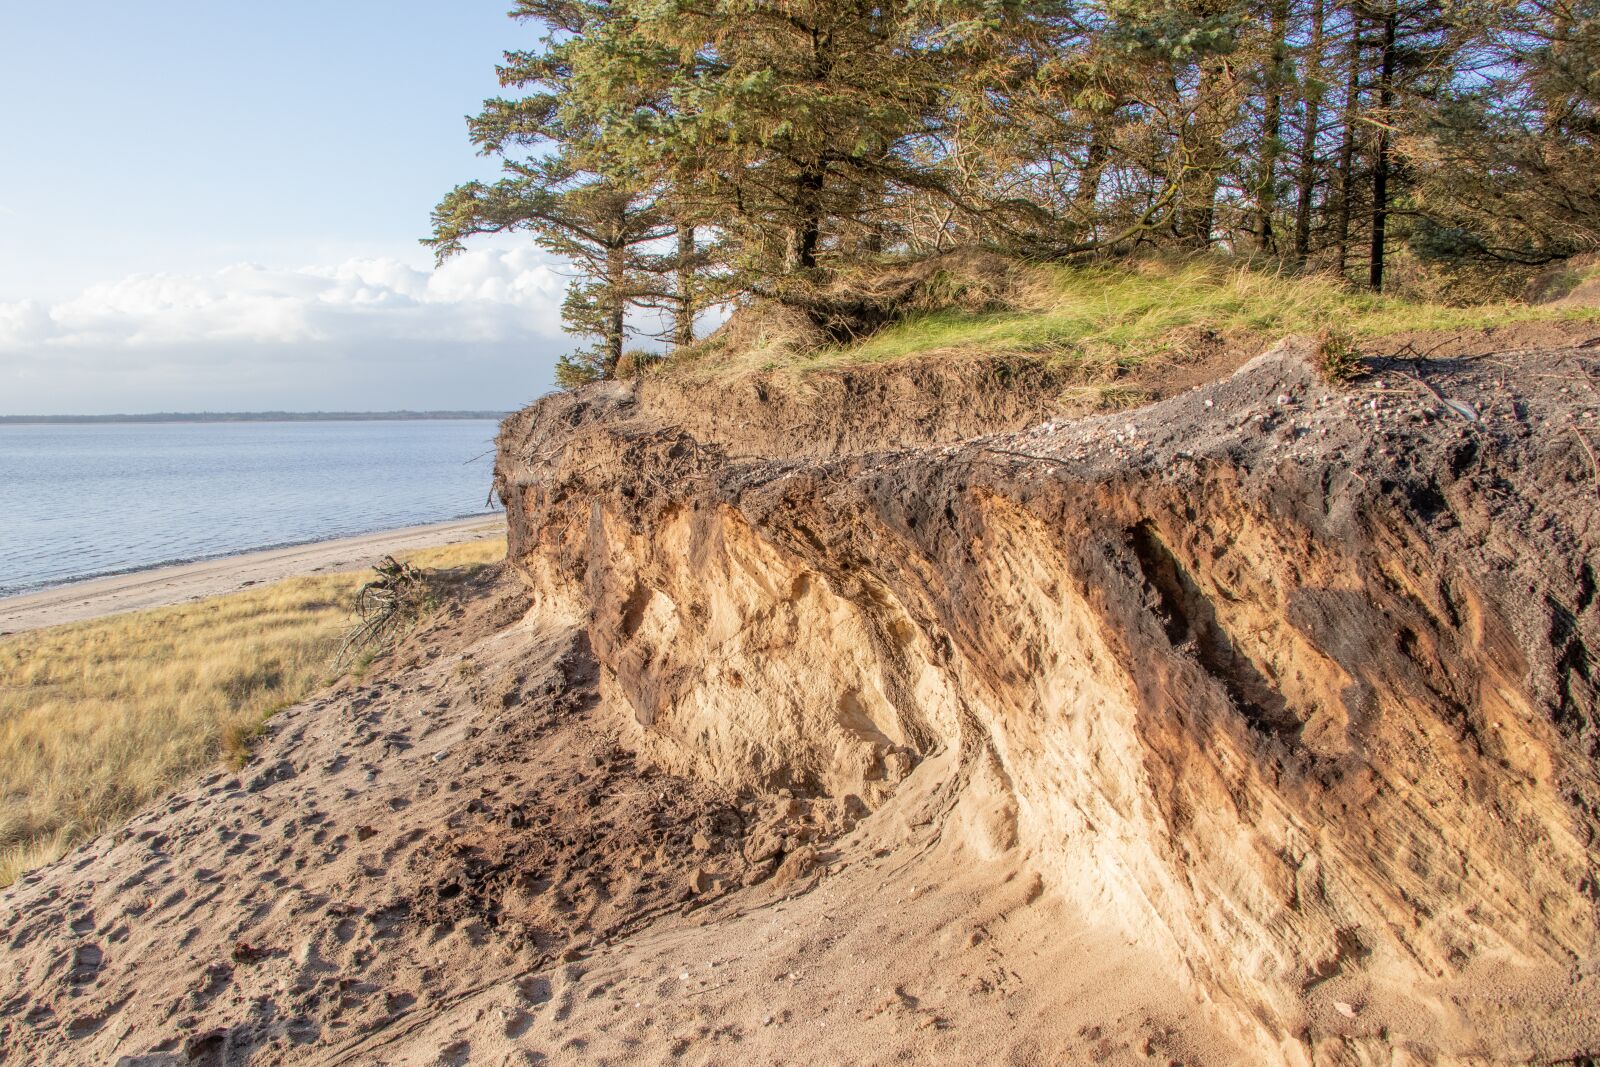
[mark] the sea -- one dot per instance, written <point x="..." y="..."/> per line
<point x="92" y="499"/>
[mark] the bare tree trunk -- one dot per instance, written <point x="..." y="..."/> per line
<point x="1347" y="148"/>
<point x="1380" y="164"/>
<point x="1271" y="128"/>
<point x="685" y="308"/>
<point x="808" y="234"/>
<point x="1311" y="79"/>
<point x="616" y="309"/>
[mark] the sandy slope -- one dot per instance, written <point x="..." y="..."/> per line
<point x="456" y="864"/>
<point x="191" y="581"/>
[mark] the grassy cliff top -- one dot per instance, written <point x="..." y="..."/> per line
<point x="1112" y="314"/>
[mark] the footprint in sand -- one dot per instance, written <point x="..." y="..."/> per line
<point x="455" y="1054"/>
<point x="518" y="1024"/>
<point x="86" y="963"/>
<point x="82" y="1026"/>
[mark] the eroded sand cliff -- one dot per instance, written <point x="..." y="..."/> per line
<point x="1256" y="725"/>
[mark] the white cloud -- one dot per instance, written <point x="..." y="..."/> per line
<point x="486" y="295"/>
<point x="481" y="331"/>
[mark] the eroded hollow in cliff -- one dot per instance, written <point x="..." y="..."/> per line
<point x="1191" y="624"/>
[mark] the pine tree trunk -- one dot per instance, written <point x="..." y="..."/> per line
<point x="1197" y="196"/>
<point x="1380" y="164"/>
<point x="1306" y="182"/>
<point x="1094" y="162"/>
<point x="1347" y="148"/>
<point x="808" y="233"/>
<point x="616" y="309"/>
<point x="684" y="310"/>
<point x="1271" y="128"/>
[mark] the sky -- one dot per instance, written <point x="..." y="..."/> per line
<point x="215" y="205"/>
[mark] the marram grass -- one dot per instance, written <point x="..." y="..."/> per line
<point x="99" y="718"/>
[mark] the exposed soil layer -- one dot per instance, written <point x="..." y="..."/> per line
<point x="1255" y="725"/>
<point x="936" y="399"/>
<point x="1289" y="684"/>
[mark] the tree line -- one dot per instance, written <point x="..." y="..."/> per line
<point x="681" y="153"/>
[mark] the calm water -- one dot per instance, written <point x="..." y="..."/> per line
<point x="81" y="501"/>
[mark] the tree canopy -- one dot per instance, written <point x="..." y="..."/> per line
<point x="684" y="152"/>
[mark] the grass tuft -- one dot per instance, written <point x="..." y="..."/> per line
<point x="99" y="718"/>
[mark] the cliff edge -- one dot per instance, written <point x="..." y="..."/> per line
<point x="1287" y="684"/>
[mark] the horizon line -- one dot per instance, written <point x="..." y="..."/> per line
<point x="271" y="415"/>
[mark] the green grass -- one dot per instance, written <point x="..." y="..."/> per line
<point x="1120" y="314"/>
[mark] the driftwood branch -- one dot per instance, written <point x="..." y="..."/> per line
<point x="388" y="605"/>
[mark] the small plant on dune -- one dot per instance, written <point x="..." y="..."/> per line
<point x="239" y="738"/>
<point x="636" y="362"/>
<point x="571" y="373"/>
<point x="1117" y="397"/>
<point x="1104" y="397"/>
<point x="1339" y="359"/>
<point x="361" y="664"/>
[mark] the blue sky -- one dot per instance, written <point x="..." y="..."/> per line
<point x="216" y="204"/>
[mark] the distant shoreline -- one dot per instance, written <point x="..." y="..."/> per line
<point x="171" y="584"/>
<point x="254" y="416"/>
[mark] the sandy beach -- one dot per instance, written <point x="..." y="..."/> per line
<point x="193" y="581"/>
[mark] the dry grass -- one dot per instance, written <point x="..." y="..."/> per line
<point x="99" y="718"/>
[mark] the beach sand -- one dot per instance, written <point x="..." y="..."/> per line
<point x="192" y="581"/>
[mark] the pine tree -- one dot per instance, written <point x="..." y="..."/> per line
<point x="682" y="153"/>
<point x="1507" y="161"/>
<point x="789" y="121"/>
<point x="1312" y="88"/>
<point x="578" y="200"/>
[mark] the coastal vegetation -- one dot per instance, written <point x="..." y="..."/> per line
<point x="753" y="154"/>
<point x="99" y="718"/>
<point x="1108" y="316"/>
